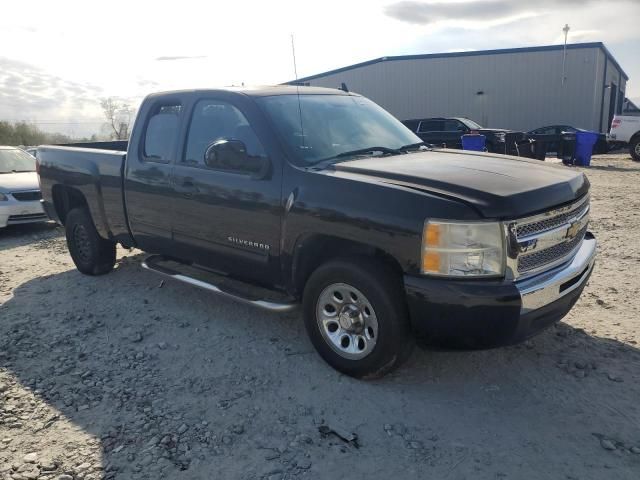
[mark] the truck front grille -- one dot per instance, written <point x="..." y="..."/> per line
<point x="27" y="196"/>
<point x="549" y="239"/>
<point x="549" y="255"/>
<point x="524" y="230"/>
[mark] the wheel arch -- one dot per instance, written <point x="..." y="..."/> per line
<point x="312" y="250"/>
<point x="65" y="199"/>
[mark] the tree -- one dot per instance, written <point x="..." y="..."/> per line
<point x="118" y="115"/>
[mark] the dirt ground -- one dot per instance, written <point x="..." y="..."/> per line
<point x="125" y="376"/>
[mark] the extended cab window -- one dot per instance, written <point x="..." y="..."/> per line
<point x="215" y="120"/>
<point x="162" y="133"/>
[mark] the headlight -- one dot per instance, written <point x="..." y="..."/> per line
<point x="500" y="136"/>
<point x="3" y="197"/>
<point x="463" y="249"/>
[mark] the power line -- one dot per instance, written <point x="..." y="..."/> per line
<point x="54" y="123"/>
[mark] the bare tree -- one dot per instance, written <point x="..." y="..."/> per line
<point x="118" y="115"/>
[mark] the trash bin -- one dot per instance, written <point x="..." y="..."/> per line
<point x="544" y="143"/>
<point x="567" y="147"/>
<point x="540" y="149"/>
<point x="473" y="142"/>
<point x="585" y="142"/>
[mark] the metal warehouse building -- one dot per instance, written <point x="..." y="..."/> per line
<point x="516" y="88"/>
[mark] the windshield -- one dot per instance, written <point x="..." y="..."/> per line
<point x="16" y="160"/>
<point x="332" y="125"/>
<point x="471" y="124"/>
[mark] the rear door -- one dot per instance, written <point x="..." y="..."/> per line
<point x="432" y="131"/>
<point x="228" y="217"/>
<point x="148" y="190"/>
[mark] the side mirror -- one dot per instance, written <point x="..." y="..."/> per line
<point x="227" y="155"/>
<point x="231" y="154"/>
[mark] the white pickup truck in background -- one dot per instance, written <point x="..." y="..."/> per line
<point x="626" y="129"/>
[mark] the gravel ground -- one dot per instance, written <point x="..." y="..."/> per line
<point x="125" y="376"/>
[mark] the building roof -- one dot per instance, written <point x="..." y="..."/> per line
<point x="544" y="48"/>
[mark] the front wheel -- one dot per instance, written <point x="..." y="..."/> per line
<point x="356" y="317"/>
<point x="634" y="149"/>
<point x="92" y="254"/>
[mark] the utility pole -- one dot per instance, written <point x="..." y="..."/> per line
<point x="564" y="53"/>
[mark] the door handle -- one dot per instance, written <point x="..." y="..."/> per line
<point x="187" y="188"/>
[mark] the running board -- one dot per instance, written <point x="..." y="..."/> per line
<point x="153" y="263"/>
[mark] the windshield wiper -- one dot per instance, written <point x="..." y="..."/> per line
<point x="362" y="151"/>
<point x="415" y="147"/>
<point x="320" y="164"/>
<point x="21" y="171"/>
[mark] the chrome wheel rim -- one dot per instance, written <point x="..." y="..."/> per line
<point x="637" y="149"/>
<point x="347" y="321"/>
<point x="83" y="244"/>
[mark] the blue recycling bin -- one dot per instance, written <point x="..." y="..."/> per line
<point x="473" y="142"/>
<point x="584" y="147"/>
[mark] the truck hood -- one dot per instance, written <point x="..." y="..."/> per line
<point x="498" y="186"/>
<point x="14" y="182"/>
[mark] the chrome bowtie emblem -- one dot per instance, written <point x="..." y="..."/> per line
<point x="573" y="230"/>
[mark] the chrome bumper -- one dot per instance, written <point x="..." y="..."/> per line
<point x="547" y="287"/>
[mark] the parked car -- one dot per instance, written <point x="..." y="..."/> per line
<point x="447" y="132"/>
<point x="19" y="188"/>
<point x="326" y="200"/>
<point x="33" y="151"/>
<point x="601" y="146"/>
<point x="626" y="128"/>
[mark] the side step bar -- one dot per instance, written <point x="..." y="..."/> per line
<point x="152" y="263"/>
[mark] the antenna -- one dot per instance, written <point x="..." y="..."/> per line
<point x="295" y="71"/>
<point x="564" y="52"/>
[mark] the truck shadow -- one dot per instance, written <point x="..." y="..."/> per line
<point x="142" y="378"/>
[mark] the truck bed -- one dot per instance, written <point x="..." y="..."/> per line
<point x="96" y="173"/>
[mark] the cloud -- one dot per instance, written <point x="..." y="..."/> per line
<point x="180" y="57"/>
<point x="493" y="11"/>
<point x="54" y="103"/>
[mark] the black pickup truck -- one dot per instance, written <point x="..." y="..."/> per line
<point x="281" y="196"/>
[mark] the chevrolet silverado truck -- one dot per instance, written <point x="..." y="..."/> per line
<point x="625" y="129"/>
<point x="286" y="196"/>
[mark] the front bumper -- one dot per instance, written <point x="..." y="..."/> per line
<point x="14" y="212"/>
<point x="492" y="313"/>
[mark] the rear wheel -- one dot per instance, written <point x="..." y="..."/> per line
<point x="356" y="317"/>
<point x="92" y="254"/>
<point x="634" y="149"/>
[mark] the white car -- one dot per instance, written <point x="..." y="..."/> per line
<point x="626" y="129"/>
<point x="19" y="188"/>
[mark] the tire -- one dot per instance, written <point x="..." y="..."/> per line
<point x="380" y="337"/>
<point x="91" y="254"/>
<point x="634" y="149"/>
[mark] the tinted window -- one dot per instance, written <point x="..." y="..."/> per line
<point x="453" y="126"/>
<point x="162" y="133"/>
<point x="214" y="120"/>
<point x="431" y="126"/>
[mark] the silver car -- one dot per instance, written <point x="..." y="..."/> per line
<point x="19" y="188"/>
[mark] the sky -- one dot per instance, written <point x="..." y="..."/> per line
<point x="59" y="58"/>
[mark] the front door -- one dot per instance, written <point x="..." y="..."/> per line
<point x="227" y="217"/>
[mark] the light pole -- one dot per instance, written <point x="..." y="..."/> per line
<point x="564" y="52"/>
